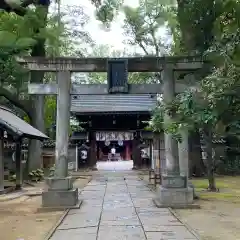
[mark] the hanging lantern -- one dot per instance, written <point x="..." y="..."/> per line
<point x="120" y="142"/>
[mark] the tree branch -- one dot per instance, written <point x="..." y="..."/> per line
<point x="155" y="42"/>
<point x="22" y="104"/>
<point x="143" y="47"/>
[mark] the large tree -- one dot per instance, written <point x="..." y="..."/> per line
<point x="29" y="24"/>
<point x="213" y="29"/>
<point x="196" y="23"/>
<point x="195" y="34"/>
<point x="142" y="28"/>
<point x="36" y="20"/>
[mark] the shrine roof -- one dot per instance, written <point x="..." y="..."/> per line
<point x="16" y="126"/>
<point x="112" y="103"/>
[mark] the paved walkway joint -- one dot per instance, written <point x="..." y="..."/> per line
<point x="119" y="207"/>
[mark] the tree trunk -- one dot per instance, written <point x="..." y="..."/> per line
<point x="207" y="137"/>
<point x="187" y="41"/>
<point x="37" y="112"/>
<point x="35" y="146"/>
<point x="196" y="166"/>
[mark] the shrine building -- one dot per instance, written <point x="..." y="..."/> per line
<point x="114" y="120"/>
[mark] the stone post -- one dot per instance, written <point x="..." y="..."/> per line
<point x="60" y="192"/>
<point x="92" y="151"/>
<point x="171" y="144"/>
<point x="174" y="191"/>
<point x="183" y="152"/>
<point x="63" y="123"/>
<point x="136" y="151"/>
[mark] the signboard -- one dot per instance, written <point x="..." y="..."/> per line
<point x="117" y="76"/>
<point x="114" y="136"/>
<point x="71" y="165"/>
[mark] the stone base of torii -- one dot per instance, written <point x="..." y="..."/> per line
<point x="174" y="191"/>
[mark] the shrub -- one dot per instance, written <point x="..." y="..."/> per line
<point x="36" y="175"/>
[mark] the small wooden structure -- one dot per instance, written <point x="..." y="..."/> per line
<point x="16" y="129"/>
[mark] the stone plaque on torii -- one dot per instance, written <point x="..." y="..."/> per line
<point x="61" y="192"/>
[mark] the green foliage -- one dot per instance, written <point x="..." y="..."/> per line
<point x="229" y="166"/>
<point x="15" y="38"/>
<point x="156" y="123"/>
<point x="210" y="27"/>
<point x="106" y="10"/>
<point x="215" y="102"/>
<point x="196" y="21"/>
<point x="50" y="111"/>
<point x="36" y="175"/>
<point x="18" y="35"/>
<point x="142" y="25"/>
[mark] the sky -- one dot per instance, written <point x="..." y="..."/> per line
<point x="114" y="37"/>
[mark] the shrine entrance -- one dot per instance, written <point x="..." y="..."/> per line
<point x="131" y="103"/>
<point x="120" y="141"/>
<point x="114" y="120"/>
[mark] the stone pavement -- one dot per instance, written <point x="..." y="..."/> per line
<point x="119" y="207"/>
<point x="115" y="165"/>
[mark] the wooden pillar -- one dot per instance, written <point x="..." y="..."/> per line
<point x="63" y="121"/>
<point x="137" y="161"/>
<point x="92" y="152"/>
<point x="127" y="150"/>
<point x="134" y="145"/>
<point x="1" y="162"/>
<point x="98" y="151"/>
<point x="150" y="152"/>
<point x="18" y="162"/>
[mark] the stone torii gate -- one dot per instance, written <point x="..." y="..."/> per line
<point x="174" y="190"/>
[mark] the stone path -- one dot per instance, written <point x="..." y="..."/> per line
<point x="115" y="165"/>
<point x="119" y="208"/>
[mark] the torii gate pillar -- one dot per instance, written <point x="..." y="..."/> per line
<point x="174" y="191"/>
<point x="60" y="187"/>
